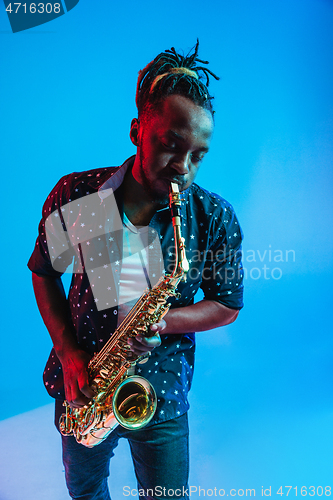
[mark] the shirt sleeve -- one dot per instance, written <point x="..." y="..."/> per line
<point x="222" y="277"/>
<point x="52" y="235"/>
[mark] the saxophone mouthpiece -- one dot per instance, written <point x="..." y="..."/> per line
<point x="175" y="208"/>
<point x="174" y="187"/>
<point x="174" y="204"/>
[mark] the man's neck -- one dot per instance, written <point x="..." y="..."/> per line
<point x="138" y="206"/>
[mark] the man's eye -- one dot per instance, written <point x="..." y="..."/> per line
<point x="197" y="159"/>
<point x="169" y="146"/>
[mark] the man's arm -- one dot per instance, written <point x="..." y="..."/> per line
<point x="199" y="317"/>
<point x="53" y="307"/>
<point x="202" y="316"/>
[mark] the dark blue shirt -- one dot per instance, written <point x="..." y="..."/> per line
<point x="213" y="248"/>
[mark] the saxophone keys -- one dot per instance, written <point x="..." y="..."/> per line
<point x="90" y="419"/>
<point x="66" y="423"/>
<point x="100" y="397"/>
<point x="143" y="359"/>
<point x="104" y="373"/>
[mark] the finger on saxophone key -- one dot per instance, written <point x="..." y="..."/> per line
<point x="141" y="344"/>
<point x="158" y="327"/>
<point x="152" y="341"/>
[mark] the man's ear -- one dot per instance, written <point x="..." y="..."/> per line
<point x="134" y="131"/>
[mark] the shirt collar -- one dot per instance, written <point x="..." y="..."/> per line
<point x="115" y="179"/>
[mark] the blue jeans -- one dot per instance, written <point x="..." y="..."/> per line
<point x="160" y="458"/>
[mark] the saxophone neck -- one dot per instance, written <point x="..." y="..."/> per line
<point x="181" y="264"/>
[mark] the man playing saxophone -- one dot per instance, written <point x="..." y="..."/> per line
<point x="115" y="225"/>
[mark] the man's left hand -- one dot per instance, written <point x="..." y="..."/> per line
<point x="141" y="345"/>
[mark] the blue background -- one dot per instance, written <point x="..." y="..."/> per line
<point x="262" y="404"/>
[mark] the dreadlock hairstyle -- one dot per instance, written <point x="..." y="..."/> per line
<point x="171" y="73"/>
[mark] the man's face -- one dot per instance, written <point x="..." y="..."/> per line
<point x="171" y="145"/>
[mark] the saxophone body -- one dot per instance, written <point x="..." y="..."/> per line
<point x="121" y="398"/>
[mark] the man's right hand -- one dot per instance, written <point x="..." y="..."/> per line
<point x="77" y="390"/>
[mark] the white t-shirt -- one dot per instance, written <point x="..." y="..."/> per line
<point x="134" y="271"/>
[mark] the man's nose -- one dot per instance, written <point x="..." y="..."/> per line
<point x="182" y="164"/>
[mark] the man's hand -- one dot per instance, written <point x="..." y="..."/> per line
<point x="53" y="306"/>
<point x="77" y="390"/>
<point x="74" y="364"/>
<point x="141" y="345"/>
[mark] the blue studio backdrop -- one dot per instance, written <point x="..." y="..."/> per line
<point x="262" y="398"/>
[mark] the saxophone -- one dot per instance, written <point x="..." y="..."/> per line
<point x="121" y="398"/>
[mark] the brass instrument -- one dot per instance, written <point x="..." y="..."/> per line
<point x="121" y="399"/>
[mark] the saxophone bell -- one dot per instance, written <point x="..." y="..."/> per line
<point x="134" y="402"/>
